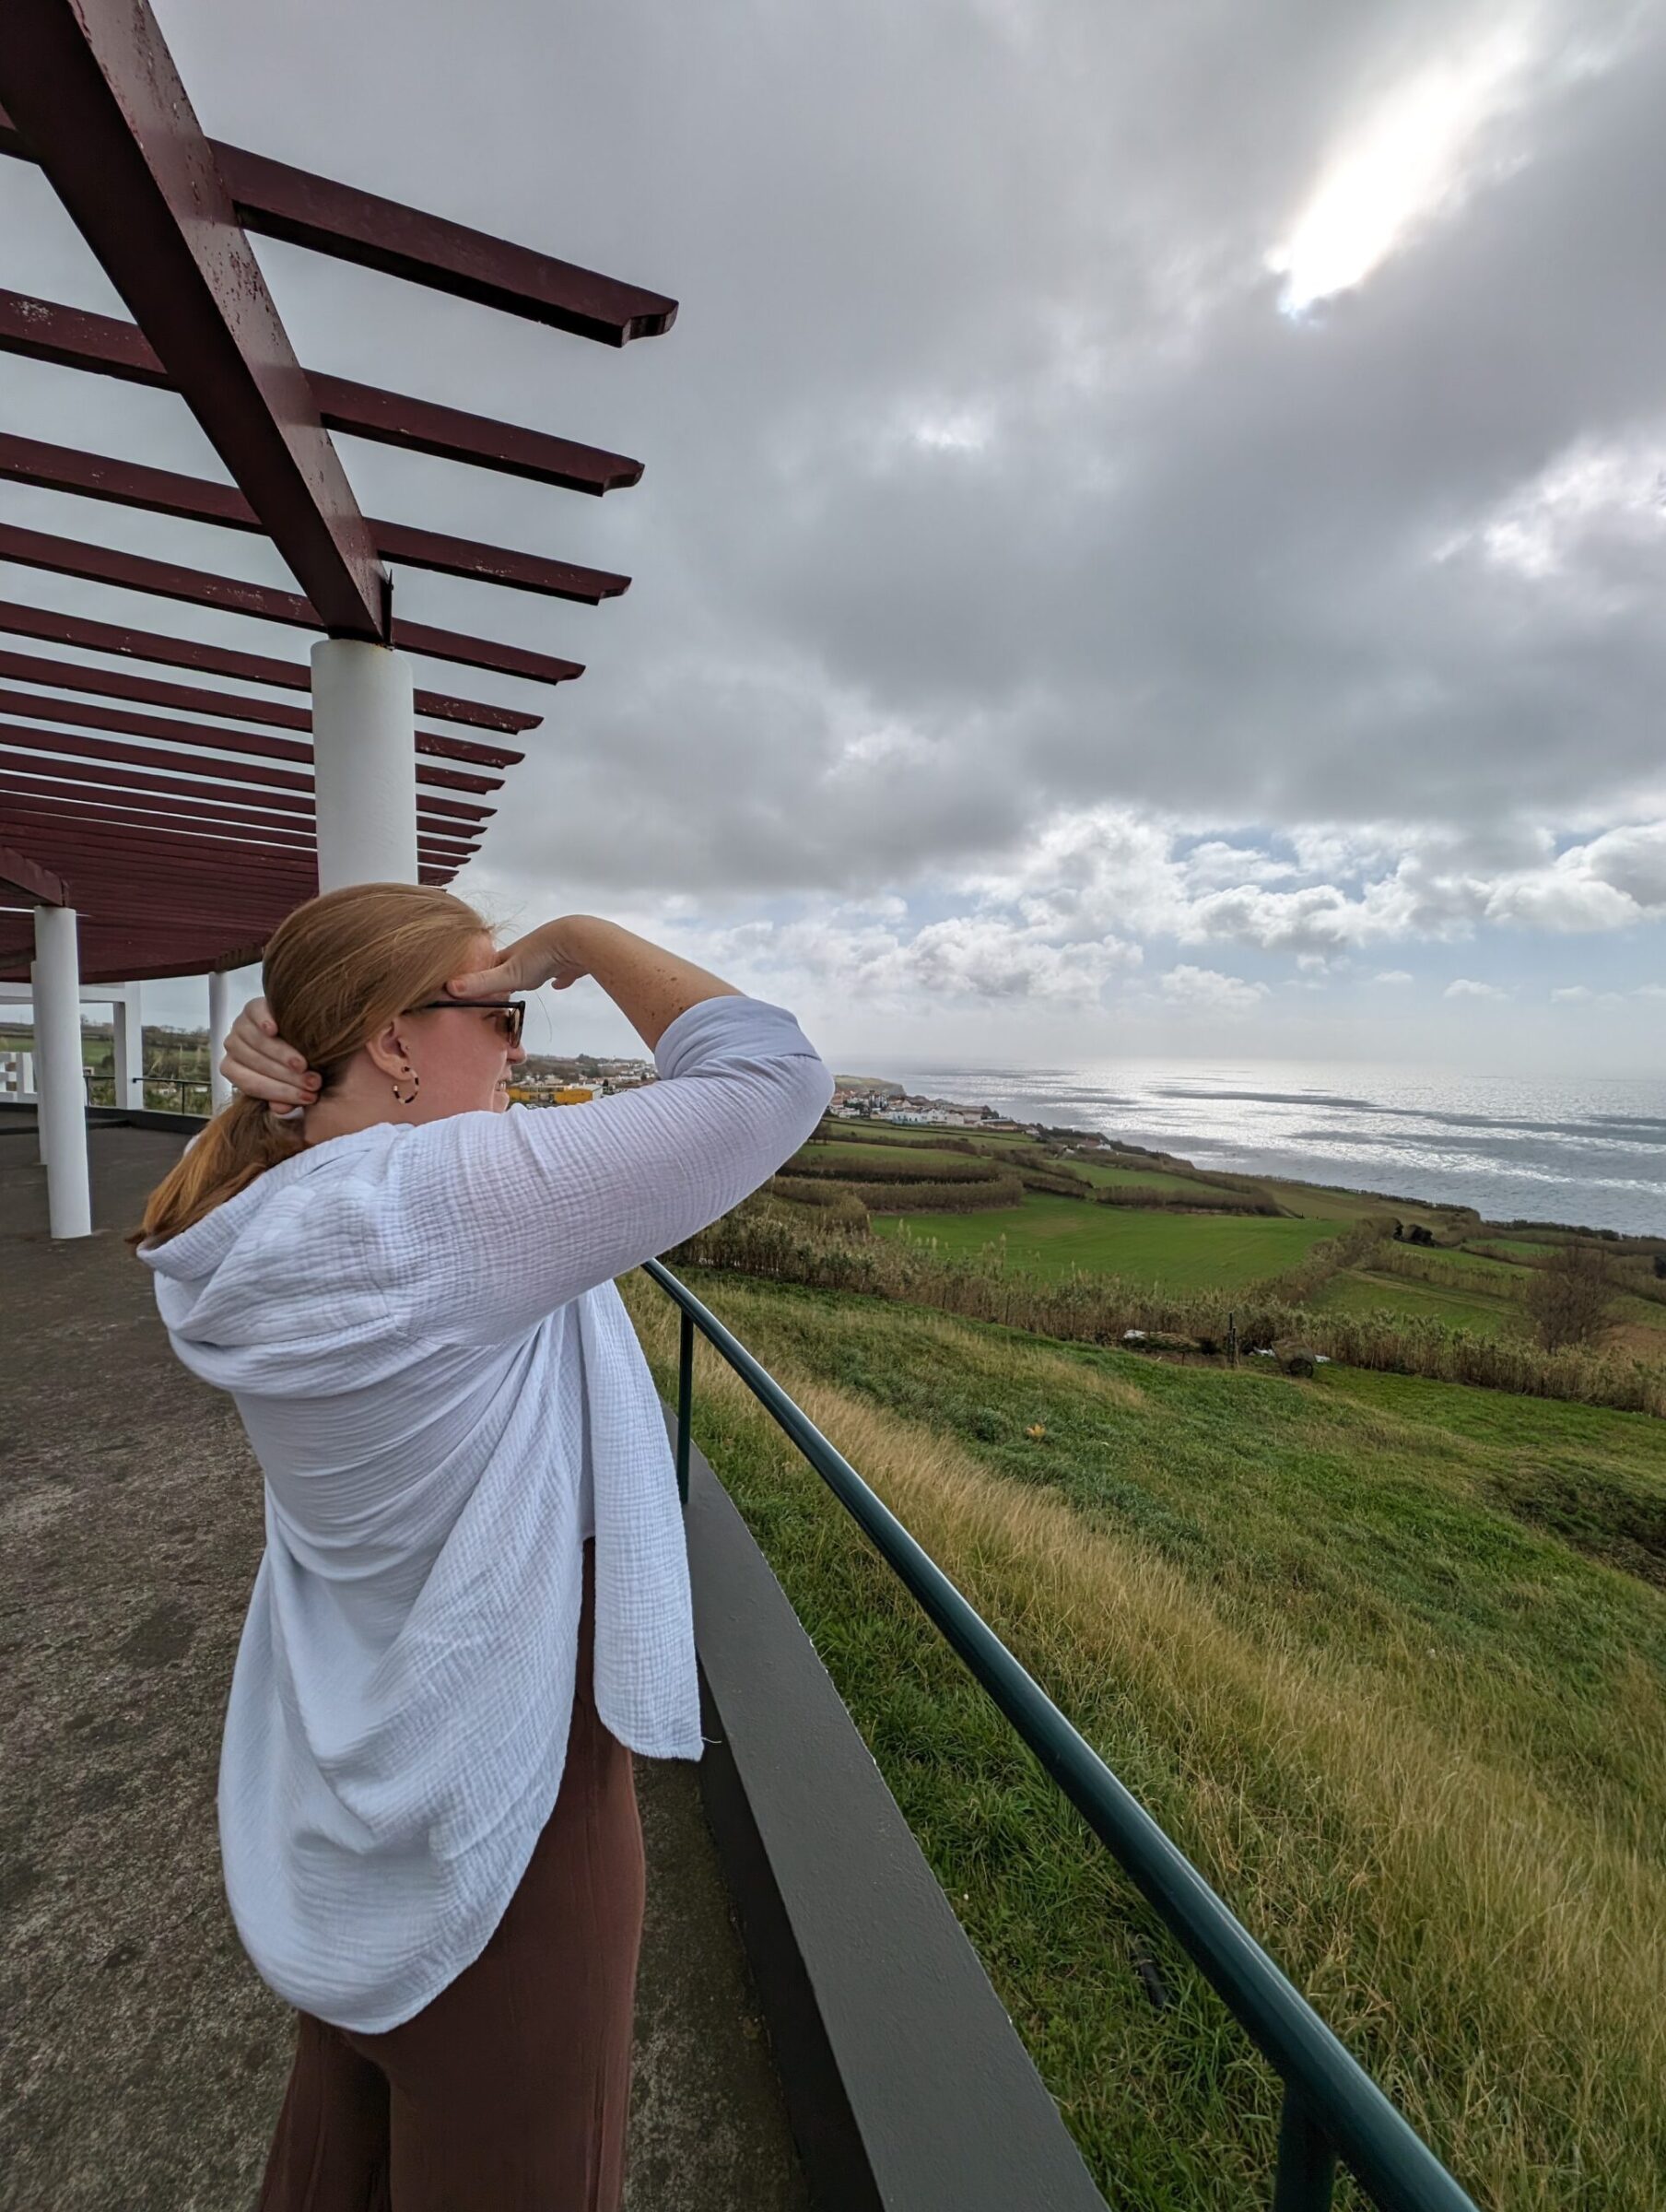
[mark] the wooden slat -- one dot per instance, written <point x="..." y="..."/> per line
<point x="234" y="595"/>
<point x="19" y="873"/>
<point x="117" y="637"/>
<point x="199" y="499"/>
<point x="71" y="337"/>
<point x="93" y="87"/>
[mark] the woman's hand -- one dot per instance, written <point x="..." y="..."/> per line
<point x="558" y="953"/>
<point x="258" y="1063"/>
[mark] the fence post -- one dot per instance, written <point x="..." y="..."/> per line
<point x="1305" y="2174"/>
<point x="685" y="1403"/>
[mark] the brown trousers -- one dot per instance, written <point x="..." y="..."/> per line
<point x="509" y="2092"/>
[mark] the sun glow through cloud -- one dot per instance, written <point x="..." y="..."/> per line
<point x="1404" y="164"/>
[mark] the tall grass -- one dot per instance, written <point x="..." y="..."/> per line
<point x="1493" y="1952"/>
<point x="1100" y="1309"/>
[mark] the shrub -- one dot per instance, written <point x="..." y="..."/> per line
<point x="1199" y="1198"/>
<point x="1571" y="1298"/>
<point x="938" y="1198"/>
<point x="1100" y="1309"/>
<point x="1058" y="1183"/>
<point x="887" y="1167"/>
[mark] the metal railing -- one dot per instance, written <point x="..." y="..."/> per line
<point x="191" y="1094"/>
<point x="1332" y="2107"/>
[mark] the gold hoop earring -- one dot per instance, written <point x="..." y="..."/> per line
<point x="406" y="1097"/>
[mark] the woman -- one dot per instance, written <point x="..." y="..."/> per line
<point x="474" y="1601"/>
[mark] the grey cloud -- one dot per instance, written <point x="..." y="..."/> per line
<point x="1191" y="569"/>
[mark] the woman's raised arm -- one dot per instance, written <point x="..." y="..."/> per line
<point x="650" y="985"/>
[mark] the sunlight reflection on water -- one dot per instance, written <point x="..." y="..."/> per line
<point x="1592" y="1152"/>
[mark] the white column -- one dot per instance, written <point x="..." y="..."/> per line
<point x="36" y="1080"/>
<point x="221" y="1014"/>
<point x="63" y="1108"/>
<point x="127" y="1051"/>
<point x="364" y="747"/>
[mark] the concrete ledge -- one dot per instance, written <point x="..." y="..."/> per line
<point x="906" y="2083"/>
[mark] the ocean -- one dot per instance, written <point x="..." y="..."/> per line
<point x="1586" y="1152"/>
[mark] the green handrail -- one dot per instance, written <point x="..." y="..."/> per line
<point x="1331" y="2108"/>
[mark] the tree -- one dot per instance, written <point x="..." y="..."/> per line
<point x="1570" y="1298"/>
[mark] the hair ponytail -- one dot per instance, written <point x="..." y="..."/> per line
<point x="241" y="1142"/>
<point x="335" y="970"/>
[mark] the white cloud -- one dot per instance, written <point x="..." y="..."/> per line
<point x="1465" y="986"/>
<point x="1398" y="167"/>
<point x="984" y="958"/>
<point x="1571" y="995"/>
<point x="1565" y="526"/>
<point x="1391" y="975"/>
<point x="1211" y="992"/>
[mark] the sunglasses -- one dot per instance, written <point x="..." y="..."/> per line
<point x="511" y="1011"/>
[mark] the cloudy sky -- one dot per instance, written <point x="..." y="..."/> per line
<point x="1154" y="537"/>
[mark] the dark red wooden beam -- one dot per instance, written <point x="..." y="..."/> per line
<point x="198" y="499"/>
<point x="31" y="822"/>
<point x="126" y="722"/>
<point x="190" y="860"/>
<point x="232" y="595"/>
<point x="45" y="778"/>
<point x="91" y="87"/>
<point x="275" y="201"/>
<point x="241" y="769"/>
<point x="121" y="683"/>
<point x="19" y="873"/>
<point x="308" y="210"/>
<point x="244" y="667"/>
<point x="21" y="806"/>
<point x="71" y="337"/>
<point x="18" y="737"/>
<point x="108" y="785"/>
<point x="108" y="957"/>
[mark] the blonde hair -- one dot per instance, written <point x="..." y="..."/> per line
<point x="336" y="972"/>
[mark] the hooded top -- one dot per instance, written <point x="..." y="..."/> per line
<point x="446" y="1397"/>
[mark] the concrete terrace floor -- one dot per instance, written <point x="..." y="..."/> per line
<point x="145" y="2059"/>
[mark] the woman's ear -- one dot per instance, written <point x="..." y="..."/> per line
<point x="388" y="1051"/>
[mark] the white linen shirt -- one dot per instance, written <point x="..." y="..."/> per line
<point x="445" y="1394"/>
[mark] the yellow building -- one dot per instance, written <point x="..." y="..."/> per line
<point x="569" y="1094"/>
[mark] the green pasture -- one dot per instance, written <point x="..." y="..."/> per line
<point x="1130" y="1178"/>
<point x="890" y="1133"/>
<point x="1313" y="1200"/>
<point x="855" y="1157"/>
<point x="1386" y="1657"/>
<point x="1365" y="1291"/>
<point x="1048" y="1236"/>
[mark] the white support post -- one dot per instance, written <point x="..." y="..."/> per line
<point x="63" y="1108"/>
<point x="127" y="1047"/>
<point x="37" y="1082"/>
<point x="220" y="1017"/>
<point x="364" y="764"/>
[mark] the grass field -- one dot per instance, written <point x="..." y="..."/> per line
<point x="1638" y="1330"/>
<point x="1312" y="1200"/>
<point x="1117" y="1177"/>
<point x="1189" y="1252"/>
<point x="1362" y="1291"/>
<point x="856" y="1157"/>
<point x="1386" y="1658"/>
<point x="892" y="1132"/>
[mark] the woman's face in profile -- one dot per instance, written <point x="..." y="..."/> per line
<point x="462" y="1053"/>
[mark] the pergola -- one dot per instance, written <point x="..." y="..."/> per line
<point x="151" y="830"/>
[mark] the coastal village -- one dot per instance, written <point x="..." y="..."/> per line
<point x="574" y="1082"/>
